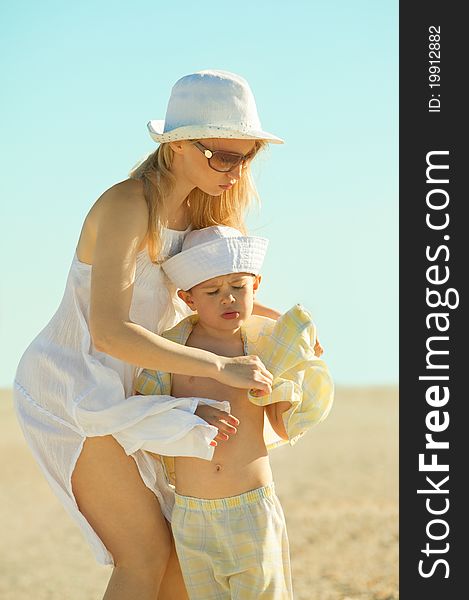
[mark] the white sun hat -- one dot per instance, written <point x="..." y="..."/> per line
<point x="210" y="104"/>
<point x="212" y="252"/>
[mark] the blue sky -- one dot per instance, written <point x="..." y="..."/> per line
<point x="81" y="80"/>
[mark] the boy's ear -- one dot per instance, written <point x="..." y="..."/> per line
<point x="257" y="282"/>
<point x="187" y="298"/>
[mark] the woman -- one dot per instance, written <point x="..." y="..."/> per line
<point x="73" y="387"/>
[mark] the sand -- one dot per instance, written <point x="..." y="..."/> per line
<point x="338" y="487"/>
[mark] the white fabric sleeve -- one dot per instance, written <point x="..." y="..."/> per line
<point x="173" y="430"/>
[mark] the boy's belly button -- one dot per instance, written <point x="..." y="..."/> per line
<point x="218" y="467"/>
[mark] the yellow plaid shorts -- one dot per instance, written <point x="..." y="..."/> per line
<point x="233" y="548"/>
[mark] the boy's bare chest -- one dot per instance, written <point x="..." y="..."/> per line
<point x="204" y="387"/>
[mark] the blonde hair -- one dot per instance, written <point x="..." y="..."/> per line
<point x="204" y="210"/>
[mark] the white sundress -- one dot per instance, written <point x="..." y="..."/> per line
<point x="65" y="390"/>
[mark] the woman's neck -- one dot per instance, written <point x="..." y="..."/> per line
<point x="176" y="203"/>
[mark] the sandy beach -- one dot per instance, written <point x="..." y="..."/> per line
<point x="338" y="487"/>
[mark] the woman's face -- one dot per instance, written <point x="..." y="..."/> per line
<point x="193" y="164"/>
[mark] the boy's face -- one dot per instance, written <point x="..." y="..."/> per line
<point x="223" y="302"/>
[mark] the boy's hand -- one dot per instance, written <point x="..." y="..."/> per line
<point x="224" y="422"/>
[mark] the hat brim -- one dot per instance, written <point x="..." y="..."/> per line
<point x="191" y="132"/>
<point x="240" y="254"/>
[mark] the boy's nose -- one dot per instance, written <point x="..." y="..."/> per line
<point x="228" y="298"/>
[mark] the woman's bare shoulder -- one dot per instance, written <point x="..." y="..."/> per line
<point x="123" y="205"/>
<point x="128" y="192"/>
<point x="124" y="199"/>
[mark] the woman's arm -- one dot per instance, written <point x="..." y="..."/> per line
<point x="121" y="228"/>
<point x="265" y="311"/>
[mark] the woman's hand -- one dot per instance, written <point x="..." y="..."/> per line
<point x="318" y="349"/>
<point x="246" y="372"/>
<point x="224" y="422"/>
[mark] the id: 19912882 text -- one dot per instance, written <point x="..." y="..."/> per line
<point x="434" y="49"/>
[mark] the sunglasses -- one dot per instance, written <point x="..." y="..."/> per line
<point x="222" y="161"/>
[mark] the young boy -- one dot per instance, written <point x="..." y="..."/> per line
<point x="227" y="522"/>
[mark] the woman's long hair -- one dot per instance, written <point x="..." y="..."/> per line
<point x="204" y="210"/>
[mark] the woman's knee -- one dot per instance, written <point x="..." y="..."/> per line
<point x="124" y="513"/>
<point x="151" y="554"/>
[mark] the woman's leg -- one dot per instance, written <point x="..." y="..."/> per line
<point x="127" y="517"/>
<point x="172" y="586"/>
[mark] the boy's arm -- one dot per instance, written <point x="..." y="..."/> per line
<point x="274" y="413"/>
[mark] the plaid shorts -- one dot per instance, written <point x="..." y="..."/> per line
<point x="233" y="548"/>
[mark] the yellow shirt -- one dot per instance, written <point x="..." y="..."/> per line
<point x="286" y="347"/>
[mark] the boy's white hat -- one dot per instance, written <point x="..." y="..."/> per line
<point x="210" y="104"/>
<point x="212" y="252"/>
